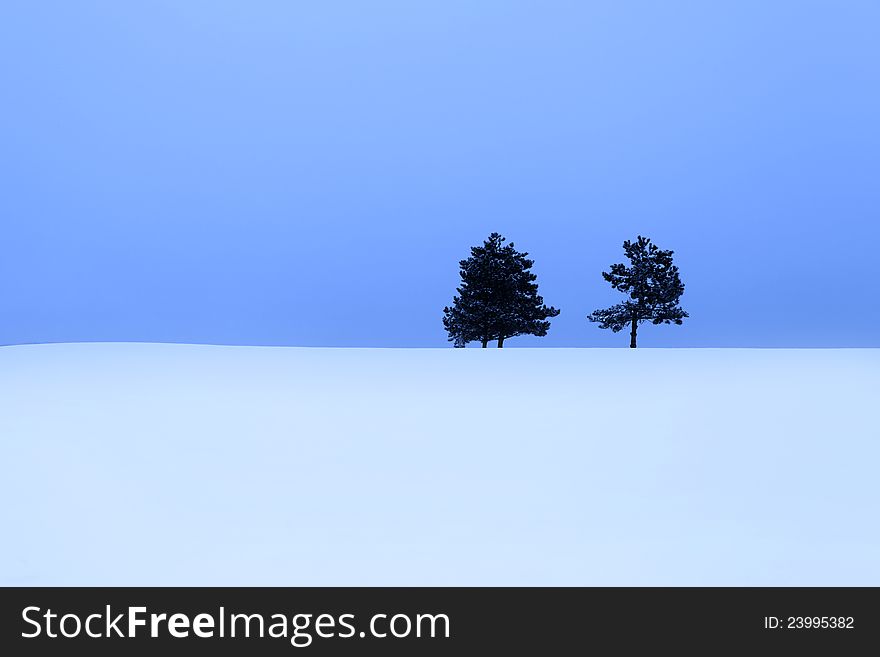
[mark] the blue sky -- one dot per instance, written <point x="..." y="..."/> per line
<point x="309" y="173"/>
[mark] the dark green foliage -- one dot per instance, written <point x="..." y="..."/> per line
<point x="653" y="285"/>
<point x="498" y="297"/>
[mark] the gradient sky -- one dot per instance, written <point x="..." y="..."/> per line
<point x="310" y="173"/>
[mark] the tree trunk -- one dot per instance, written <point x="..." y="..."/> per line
<point x="501" y="342"/>
<point x="632" y="333"/>
<point x="485" y="343"/>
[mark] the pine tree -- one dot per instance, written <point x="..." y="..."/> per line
<point x="653" y="285"/>
<point x="498" y="297"/>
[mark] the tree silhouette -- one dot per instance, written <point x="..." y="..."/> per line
<point x="498" y="297"/>
<point x="653" y="286"/>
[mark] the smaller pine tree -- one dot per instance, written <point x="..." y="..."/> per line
<point x="653" y="285"/>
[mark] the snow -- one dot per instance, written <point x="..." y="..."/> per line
<point x="146" y="464"/>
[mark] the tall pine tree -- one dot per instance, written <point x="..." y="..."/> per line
<point x="653" y="285"/>
<point x="498" y="297"/>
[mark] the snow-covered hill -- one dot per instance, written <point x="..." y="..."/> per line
<point x="151" y="464"/>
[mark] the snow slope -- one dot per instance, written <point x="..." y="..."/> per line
<point x="143" y="464"/>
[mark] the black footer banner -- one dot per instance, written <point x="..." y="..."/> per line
<point x="427" y="621"/>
